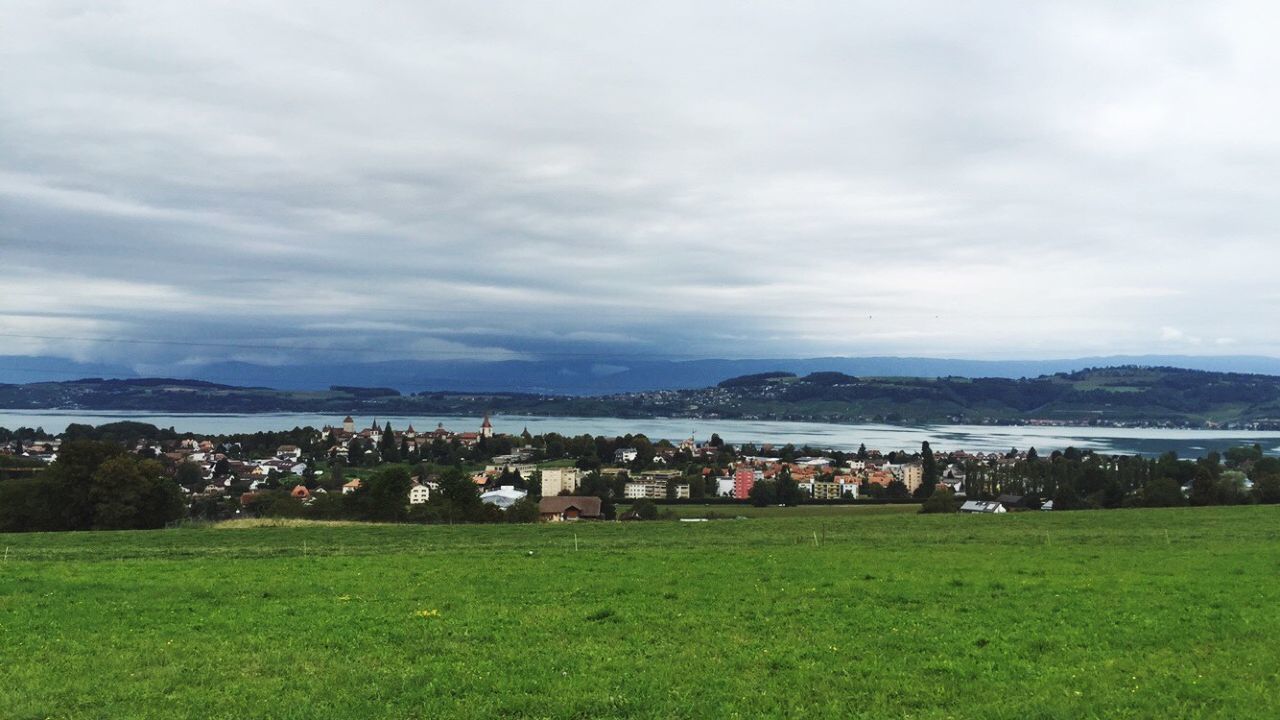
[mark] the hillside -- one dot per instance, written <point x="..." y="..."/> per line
<point x="1116" y="395"/>
<point x="595" y="375"/>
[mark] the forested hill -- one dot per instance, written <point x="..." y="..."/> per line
<point x="1116" y="395"/>
<point x="1119" y="395"/>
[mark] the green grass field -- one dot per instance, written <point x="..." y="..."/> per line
<point x="1119" y="614"/>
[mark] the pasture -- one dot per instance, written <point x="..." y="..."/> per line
<point x="868" y="613"/>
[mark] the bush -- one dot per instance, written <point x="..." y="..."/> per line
<point x="1266" y="490"/>
<point x="644" y="509"/>
<point x="523" y="511"/>
<point x="943" y="500"/>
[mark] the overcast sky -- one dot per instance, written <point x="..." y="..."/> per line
<point x="711" y="179"/>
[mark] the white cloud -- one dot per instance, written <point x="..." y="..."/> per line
<point x="503" y="180"/>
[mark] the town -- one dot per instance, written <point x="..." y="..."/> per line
<point x="378" y="472"/>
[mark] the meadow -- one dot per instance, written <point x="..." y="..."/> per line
<point x="873" y="613"/>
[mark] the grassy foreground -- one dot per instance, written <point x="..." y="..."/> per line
<point x="1121" y="614"/>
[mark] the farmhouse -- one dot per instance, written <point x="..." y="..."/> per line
<point x="569" y="508"/>
<point x="982" y="506"/>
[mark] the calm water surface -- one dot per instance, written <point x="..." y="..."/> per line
<point x="974" y="438"/>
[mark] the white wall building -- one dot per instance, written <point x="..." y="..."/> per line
<point x="419" y="494"/>
<point x="559" y="480"/>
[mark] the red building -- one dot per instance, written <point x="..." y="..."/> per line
<point x="743" y="480"/>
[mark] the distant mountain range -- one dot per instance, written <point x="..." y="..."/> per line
<point x="1128" y="395"/>
<point x="595" y="377"/>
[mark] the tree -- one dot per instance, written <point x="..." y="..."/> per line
<point x="897" y="489"/>
<point x="130" y="494"/>
<point x="929" y="471"/>
<point x="71" y="478"/>
<point x="1243" y="456"/>
<point x="355" y="451"/>
<point x="644" y="509"/>
<point x="30" y="504"/>
<point x="1266" y="489"/>
<point x="1066" y="498"/>
<point x="1204" y="488"/>
<point x="1162" y="492"/>
<point x="459" y="499"/>
<point x="764" y="493"/>
<point x="595" y="484"/>
<point x="189" y="475"/>
<point x="92" y="486"/>
<point x="524" y="510"/>
<point x="788" y="491"/>
<point x="943" y="500"/>
<point x="389" y="447"/>
<point x="1231" y="488"/>
<point x="386" y="495"/>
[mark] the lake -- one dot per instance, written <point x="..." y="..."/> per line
<point x="974" y="438"/>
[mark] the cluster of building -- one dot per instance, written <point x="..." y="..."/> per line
<point x="819" y="477"/>
<point x="340" y="438"/>
<point x="46" y="451"/>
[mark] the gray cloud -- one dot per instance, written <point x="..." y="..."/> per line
<point x="421" y="180"/>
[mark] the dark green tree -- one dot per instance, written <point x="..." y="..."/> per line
<point x="943" y="500"/>
<point x="929" y="471"/>
<point x="389" y="448"/>
<point x="387" y="495"/>
<point x="764" y="493"/>
<point x="644" y="509"/>
<point x="523" y="511"/>
<point x="189" y="475"/>
<point x="787" y="489"/>
<point x="1266" y="489"/>
<point x="1162" y="492"/>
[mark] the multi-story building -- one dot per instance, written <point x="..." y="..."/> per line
<point x="824" y="490"/>
<point x="743" y="480"/>
<point x="651" y="489"/>
<point x="559" y="480"/>
<point x="909" y="474"/>
<point x="419" y="494"/>
<point x="724" y="486"/>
